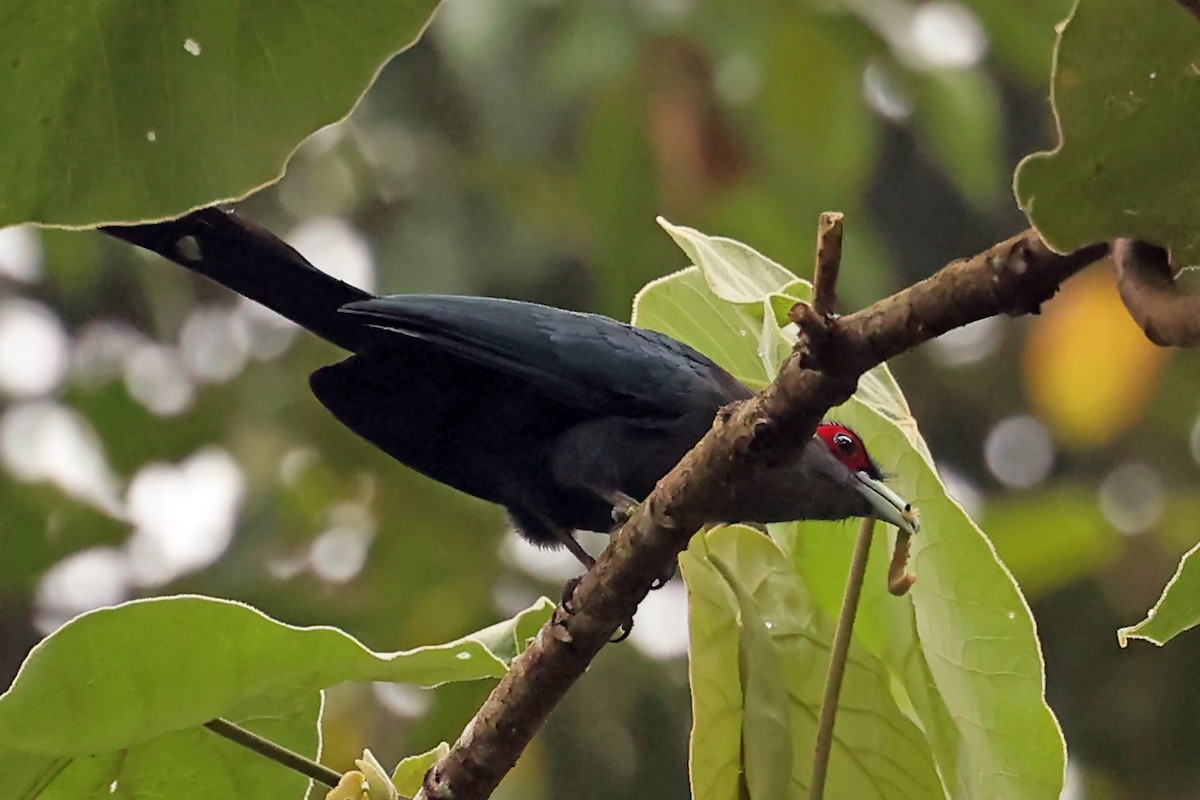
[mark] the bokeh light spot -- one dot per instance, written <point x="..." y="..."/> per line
<point x="34" y="349"/>
<point x="184" y="515"/>
<point x="1132" y="498"/>
<point x="82" y="581"/>
<point x="1019" y="452"/>
<point x="214" y="344"/>
<point x="403" y="700"/>
<point x="46" y="441"/>
<point x="101" y="350"/>
<point x="336" y="248"/>
<point x="661" y="626"/>
<point x="883" y="93"/>
<point x="340" y="553"/>
<point x="969" y="344"/>
<point x="21" y="253"/>
<point x="947" y="35"/>
<point x="156" y="377"/>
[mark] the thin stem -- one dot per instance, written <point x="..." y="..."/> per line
<point x="277" y="753"/>
<point x="837" y="658"/>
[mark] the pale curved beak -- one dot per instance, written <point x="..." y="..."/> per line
<point x="887" y="505"/>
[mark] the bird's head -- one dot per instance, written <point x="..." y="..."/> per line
<point x="866" y="478"/>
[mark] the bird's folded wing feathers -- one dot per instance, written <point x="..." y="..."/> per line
<point x="586" y="360"/>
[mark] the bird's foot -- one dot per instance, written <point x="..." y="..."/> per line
<point x="568" y="594"/>
<point x="623" y="507"/>
<point x="568" y="608"/>
<point x="664" y="579"/>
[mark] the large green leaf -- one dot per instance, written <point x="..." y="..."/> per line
<point x="961" y="647"/>
<point x="741" y="583"/>
<point x="768" y="752"/>
<point x="683" y="306"/>
<point x="714" y="669"/>
<point x="126" y="111"/>
<point x="1127" y="97"/>
<point x="118" y="695"/>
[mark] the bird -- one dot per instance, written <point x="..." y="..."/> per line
<point x="566" y="419"/>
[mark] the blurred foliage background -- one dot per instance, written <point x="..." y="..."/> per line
<point x="157" y="435"/>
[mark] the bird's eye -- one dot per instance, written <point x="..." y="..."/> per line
<point x="845" y="443"/>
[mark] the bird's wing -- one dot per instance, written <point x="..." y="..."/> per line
<point x="584" y="360"/>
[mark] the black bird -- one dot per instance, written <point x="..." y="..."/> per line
<point x="565" y="419"/>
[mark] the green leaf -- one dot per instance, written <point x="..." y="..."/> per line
<point x="735" y="272"/>
<point x="1177" y="610"/>
<point x="507" y="638"/>
<point x="194" y="762"/>
<point x="410" y="772"/>
<point x="120" y="694"/>
<point x="742" y="293"/>
<point x="714" y="671"/>
<point x="878" y="751"/>
<point x="683" y="306"/>
<point x="130" y="111"/>
<point x="961" y="648"/>
<point x="1126" y="93"/>
<point x="767" y="748"/>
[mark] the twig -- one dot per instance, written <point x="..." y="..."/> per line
<point x="838" y="654"/>
<point x="1167" y="315"/>
<point x="1012" y="277"/>
<point x="277" y="753"/>
<point x="829" y="260"/>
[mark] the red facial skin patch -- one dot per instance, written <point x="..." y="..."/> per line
<point x="848" y="448"/>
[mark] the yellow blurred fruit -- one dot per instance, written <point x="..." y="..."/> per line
<point x="1089" y="369"/>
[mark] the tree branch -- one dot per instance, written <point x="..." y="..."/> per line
<point x="1167" y="315"/>
<point x="1013" y="277"/>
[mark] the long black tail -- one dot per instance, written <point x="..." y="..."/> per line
<point x="256" y="264"/>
